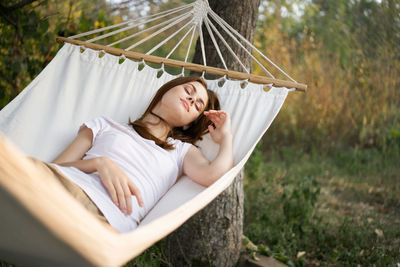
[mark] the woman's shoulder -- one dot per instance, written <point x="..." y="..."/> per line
<point x="175" y="141"/>
<point x="179" y="144"/>
<point x="110" y="122"/>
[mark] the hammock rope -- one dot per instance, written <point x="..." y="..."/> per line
<point x="220" y="21"/>
<point x="230" y="49"/>
<point x="153" y="17"/>
<point x="244" y="48"/>
<point x="169" y="38"/>
<point x="147" y="30"/>
<point x="216" y="44"/>
<point x="195" y="14"/>
<point x="180" y="41"/>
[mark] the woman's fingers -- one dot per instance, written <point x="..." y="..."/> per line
<point x="135" y="191"/>
<point x="111" y="190"/>
<point x="211" y="129"/>
<point x="215" y="114"/>
<point x="222" y="123"/>
<point x="217" y="117"/>
<point x="212" y="115"/>
<point x="119" y="186"/>
<point x="121" y="196"/>
<point x="121" y="193"/>
<point x="128" y="198"/>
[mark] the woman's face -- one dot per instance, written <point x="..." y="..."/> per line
<point x="183" y="103"/>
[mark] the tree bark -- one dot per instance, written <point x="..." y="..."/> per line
<point x="212" y="237"/>
<point x="242" y="16"/>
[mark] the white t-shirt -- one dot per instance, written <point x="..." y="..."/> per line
<point x="152" y="169"/>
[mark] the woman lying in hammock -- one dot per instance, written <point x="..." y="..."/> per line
<point x="119" y="172"/>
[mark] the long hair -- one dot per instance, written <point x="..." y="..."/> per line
<point x="197" y="128"/>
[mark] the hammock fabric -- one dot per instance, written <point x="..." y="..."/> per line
<point x="42" y="224"/>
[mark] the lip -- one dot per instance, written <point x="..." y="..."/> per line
<point x="185" y="104"/>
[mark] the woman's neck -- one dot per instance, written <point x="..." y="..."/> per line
<point x="157" y="125"/>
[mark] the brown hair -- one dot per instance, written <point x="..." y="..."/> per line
<point x="197" y="128"/>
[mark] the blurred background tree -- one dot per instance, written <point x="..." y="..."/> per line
<point x="28" y="30"/>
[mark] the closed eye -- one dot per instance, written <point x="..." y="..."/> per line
<point x="199" y="105"/>
<point x="190" y="90"/>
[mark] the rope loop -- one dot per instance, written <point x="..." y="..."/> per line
<point x="121" y="59"/>
<point x="221" y="81"/>
<point x="182" y="72"/>
<point x="223" y="78"/>
<point x="244" y="83"/>
<point x="141" y="64"/>
<point x="203" y="73"/>
<point x="160" y="71"/>
<point x="101" y="53"/>
<point x="82" y="49"/>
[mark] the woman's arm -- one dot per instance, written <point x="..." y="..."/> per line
<point x="77" y="149"/>
<point x="117" y="183"/>
<point x="197" y="167"/>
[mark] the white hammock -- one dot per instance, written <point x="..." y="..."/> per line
<point x="41" y="223"/>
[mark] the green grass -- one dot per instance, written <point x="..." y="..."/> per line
<point x="152" y="257"/>
<point x="341" y="208"/>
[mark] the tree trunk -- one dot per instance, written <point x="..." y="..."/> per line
<point x="212" y="237"/>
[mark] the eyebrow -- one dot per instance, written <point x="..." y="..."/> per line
<point x="195" y="90"/>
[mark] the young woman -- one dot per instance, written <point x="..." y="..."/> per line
<point x="121" y="171"/>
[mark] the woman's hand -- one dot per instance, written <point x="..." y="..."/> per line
<point x="118" y="184"/>
<point x="199" y="168"/>
<point x="222" y="123"/>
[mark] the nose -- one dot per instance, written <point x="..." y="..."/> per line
<point x="191" y="100"/>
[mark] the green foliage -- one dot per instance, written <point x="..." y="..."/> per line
<point x="348" y="54"/>
<point x="152" y="257"/>
<point x="299" y="198"/>
<point x="28" y="37"/>
<point x="324" y="209"/>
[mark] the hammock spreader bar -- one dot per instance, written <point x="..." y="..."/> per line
<point x="186" y="65"/>
<point x="199" y="14"/>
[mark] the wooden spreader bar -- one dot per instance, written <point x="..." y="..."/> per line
<point x="190" y="66"/>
